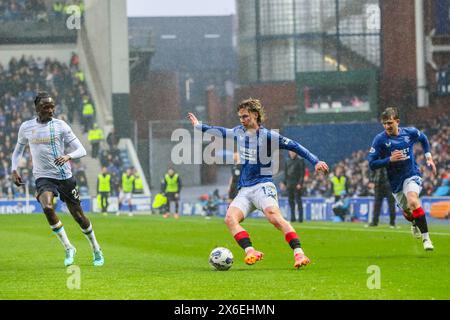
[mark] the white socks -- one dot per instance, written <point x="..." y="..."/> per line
<point x="425" y="236"/>
<point x="249" y="249"/>
<point x="58" y="229"/>
<point x="298" y="250"/>
<point x="89" y="233"/>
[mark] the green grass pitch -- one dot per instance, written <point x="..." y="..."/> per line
<point x="148" y="257"/>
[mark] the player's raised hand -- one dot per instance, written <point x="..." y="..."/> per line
<point x="430" y="163"/>
<point x="61" y="160"/>
<point x="17" y="179"/>
<point x="321" y="167"/>
<point x="193" y="119"/>
<point x="397" y="155"/>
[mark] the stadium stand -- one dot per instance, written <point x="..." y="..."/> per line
<point x="35" y="10"/>
<point x="357" y="168"/>
<point x="21" y="80"/>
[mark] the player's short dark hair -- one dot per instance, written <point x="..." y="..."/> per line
<point x="253" y="105"/>
<point x="42" y="95"/>
<point x="390" y="112"/>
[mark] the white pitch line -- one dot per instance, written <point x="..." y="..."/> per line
<point x="368" y="229"/>
<point x="363" y="230"/>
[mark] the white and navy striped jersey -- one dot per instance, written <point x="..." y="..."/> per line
<point x="47" y="142"/>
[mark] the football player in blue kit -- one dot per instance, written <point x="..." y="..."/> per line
<point x="256" y="145"/>
<point x="393" y="148"/>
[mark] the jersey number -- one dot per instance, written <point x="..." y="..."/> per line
<point x="270" y="192"/>
<point x="75" y="194"/>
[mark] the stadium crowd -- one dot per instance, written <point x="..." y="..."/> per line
<point x="21" y="79"/>
<point x="36" y="10"/>
<point x="356" y="166"/>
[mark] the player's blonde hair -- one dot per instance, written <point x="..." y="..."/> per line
<point x="253" y="105"/>
<point x="390" y="112"/>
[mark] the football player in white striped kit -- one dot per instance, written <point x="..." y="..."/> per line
<point x="51" y="169"/>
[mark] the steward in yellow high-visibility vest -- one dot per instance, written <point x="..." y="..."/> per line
<point x="58" y="9"/>
<point x="339" y="183"/>
<point x="138" y="184"/>
<point x="88" y="115"/>
<point x="88" y="108"/>
<point x="127" y="183"/>
<point x="79" y="75"/>
<point x="171" y="187"/>
<point x="172" y="183"/>
<point x="95" y="136"/>
<point x="127" y="190"/>
<point x="104" y="188"/>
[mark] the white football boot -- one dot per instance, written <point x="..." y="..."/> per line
<point x="428" y="245"/>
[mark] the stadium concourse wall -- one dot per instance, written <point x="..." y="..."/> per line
<point x="105" y="39"/>
<point x="315" y="208"/>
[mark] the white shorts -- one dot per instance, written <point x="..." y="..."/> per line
<point x="125" y="196"/>
<point x="413" y="184"/>
<point x="259" y="196"/>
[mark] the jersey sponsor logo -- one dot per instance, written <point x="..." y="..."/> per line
<point x="407" y="139"/>
<point x="388" y="144"/>
<point x="46" y="140"/>
<point x="248" y="154"/>
<point x="405" y="153"/>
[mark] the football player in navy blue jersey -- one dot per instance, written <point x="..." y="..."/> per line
<point x="256" y="145"/>
<point x="393" y="148"/>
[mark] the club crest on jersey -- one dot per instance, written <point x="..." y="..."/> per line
<point x="372" y="150"/>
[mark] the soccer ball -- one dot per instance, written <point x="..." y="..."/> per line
<point x="221" y="259"/>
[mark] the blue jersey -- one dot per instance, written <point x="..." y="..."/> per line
<point x="382" y="147"/>
<point x="255" y="151"/>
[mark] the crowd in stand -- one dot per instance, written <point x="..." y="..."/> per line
<point x="20" y="80"/>
<point x="36" y="10"/>
<point x="356" y="166"/>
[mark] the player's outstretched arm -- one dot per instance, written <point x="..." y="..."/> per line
<point x="212" y="130"/>
<point x="322" y="167"/>
<point x="288" y="144"/>
<point x="193" y="119"/>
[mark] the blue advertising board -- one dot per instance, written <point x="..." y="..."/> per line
<point x="21" y="205"/>
<point x="315" y="209"/>
<point x="318" y="209"/>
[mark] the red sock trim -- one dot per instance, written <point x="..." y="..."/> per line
<point x="241" y="235"/>
<point x="418" y="213"/>
<point x="290" y="236"/>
